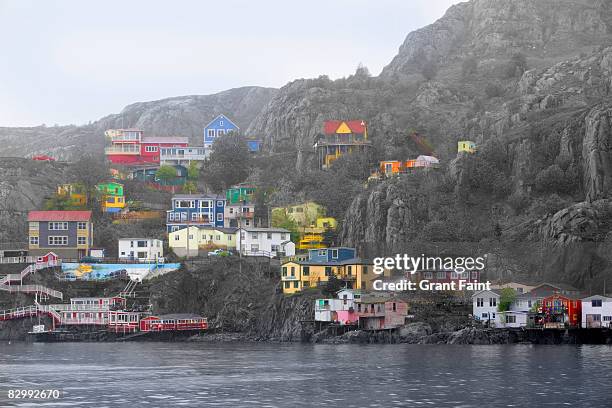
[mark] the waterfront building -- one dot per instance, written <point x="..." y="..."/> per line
<point x="354" y="272"/>
<point x="381" y="313"/>
<point x="340" y="138"/>
<point x="269" y="242"/>
<point x="596" y="312"/>
<point x="519" y="287"/>
<point x="69" y="234"/>
<point x="201" y="210"/>
<point x="340" y="310"/>
<point x="195" y="241"/>
<point x="141" y="249"/>
<point x="484" y="306"/>
<point x="559" y="311"/>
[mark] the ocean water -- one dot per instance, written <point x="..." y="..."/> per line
<point x="305" y="375"/>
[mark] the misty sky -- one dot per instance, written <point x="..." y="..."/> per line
<point x="71" y="61"/>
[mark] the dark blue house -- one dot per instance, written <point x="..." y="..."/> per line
<point x="201" y="210"/>
<point x="218" y="127"/>
<point x="331" y="255"/>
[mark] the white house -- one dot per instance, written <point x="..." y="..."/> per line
<point x="340" y="310"/>
<point x="484" y="306"/>
<point x="141" y="249"/>
<point x="270" y="242"/>
<point x="596" y="311"/>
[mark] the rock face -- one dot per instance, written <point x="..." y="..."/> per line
<point x="597" y="154"/>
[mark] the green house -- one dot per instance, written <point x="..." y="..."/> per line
<point x="239" y="194"/>
<point x="110" y="188"/>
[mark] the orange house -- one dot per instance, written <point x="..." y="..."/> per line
<point x="410" y="164"/>
<point x="391" y="167"/>
<point x="562" y="309"/>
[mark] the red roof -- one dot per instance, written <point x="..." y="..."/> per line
<point x="59" y="215"/>
<point x="43" y="157"/>
<point x="356" y="126"/>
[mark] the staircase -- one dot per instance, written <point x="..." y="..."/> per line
<point x="40" y="292"/>
<point x="129" y="290"/>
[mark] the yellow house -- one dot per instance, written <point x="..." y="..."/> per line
<point x="75" y="192"/>
<point x="113" y="204"/>
<point x="311" y="241"/>
<point x="193" y="240"/>
<point x="355" y="273"/>
<point x="466" y="146"/>
<point x="304" y="215"/>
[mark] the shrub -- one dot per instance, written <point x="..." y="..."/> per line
<point x="494" y="90"/>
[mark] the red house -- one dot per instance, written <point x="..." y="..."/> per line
<point x="561" y="310"/>
<point x="173" y="322"/>
<point x="50" y="259"/>
<point x="379" y="313"/>
<point x="131" y="147"/>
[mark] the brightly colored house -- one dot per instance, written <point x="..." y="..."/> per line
<point x="355" y="273"/>
<point x="194" y="241"/>
<point x="241" y="193"/>
<point x="466" y="146"/>
<point x="340" y="310"/>
<point x="304" y="215"/>
<point x="216" y="128"/>
<point x="130" y="147"/>
<point x="340" y="138"/>
<point x="392" y="167"/>
<point x="68" y="234"/>
<point x="561" y="310"/>
<point x="201" y="210"/>
<point x="254" y="146"/>
<point x="112" y="196"/>
<point x="380" y="313"/>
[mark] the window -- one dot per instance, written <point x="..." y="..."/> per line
<point x="81" y="240"/>
<point x="82" y="225"/>
<point x="174" y="228"/>
<point x="607" y="318"/>
<point x="58" y="240"/>
<point x="306" y="284"/>
<point x="474" y="275"/>
<point x="296" y="284"/>
<point x="492" y="315"/>
<point x="454" y="275"/>
<point x="142" y="255"/>
<point x="350" y="270"/>
<point x="596" y="303"/>
<point x="428" y="275"/>
<point x="394" y="307"/>
<point x="322" y="252"/>
<point x="441" y="275"/>
<point x="184" y="204"/>
<point x="334" y="253"/>
<point x="365" y="270"/>
<point x="287" y="284"/>
<point x="299" y="209"/>
<point x="177" y="238"/>
<point x="58" y="226"/>
<point x="141" y="244"/>
<point x="220" y="123"/>
<point x="328" y="271"/>
<point x="274" y="248"/>
<point x="510" y="319"/>
<point x="220" y="217"/>
<point x="211" y="132"/>
<point x="150" y="149"/>
<point x="269" y="235"/>
<point x="485" y="315"/>
<point x="306" y="270"/>
<point x="284" y="271"/>
<point x="219" y="203"/>
<point x="479" y="302"/>
<point x="283" y="236"/>
<point x="218" y="237"/>
<point x="254" y="247"/>
<point x="492" y="301"/>
<point x="254" y="235"/>
<point x="33" y="240"/>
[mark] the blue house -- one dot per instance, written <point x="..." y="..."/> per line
<point x="331" y="255"/>
<point x="219" y="126"/>
<point x="198" y="210"/>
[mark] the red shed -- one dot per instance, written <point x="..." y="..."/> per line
<point x="50" y="259"/>
<point x="43" y="157"/>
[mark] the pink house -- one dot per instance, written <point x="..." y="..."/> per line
<point x="379" y="313"/>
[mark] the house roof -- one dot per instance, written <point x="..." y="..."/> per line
<point x="606" y="298"/>
<point x="226" y="230"/>
<point x="198" y="196"/>
<point x="351" y="261"/>
<point x="224" y="117"/>
<point x="356" y="126"/>
<point x="561" y="286"/>
<point x="496" y="291"/>
<point x="265" y="229"/>
<point x="59" y="215"/>
<point x="139" y="239"/>
<point x="165" y="139"/>
<point x="179" y="316"/>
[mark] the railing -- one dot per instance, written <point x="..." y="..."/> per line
<point x="186" y="156"/>
<point x="19" y="312"/>
<point x="124" y="149"/>
<point x="17" y="259"/>
<point x="49" y="310"/>
<point x="32" y="289"/>
<point x="71" y="307"/>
